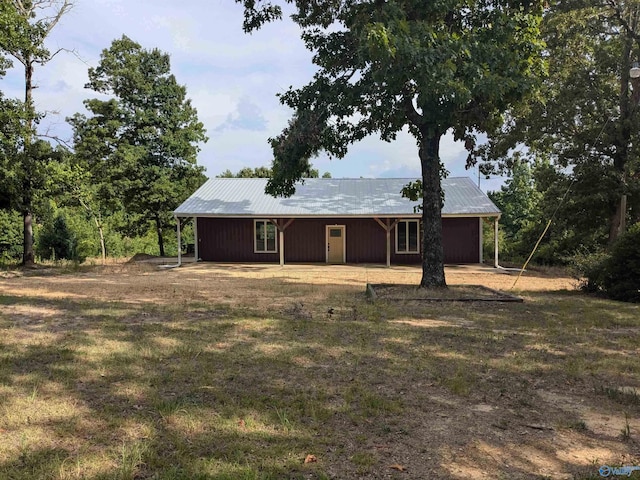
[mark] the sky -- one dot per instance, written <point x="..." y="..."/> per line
<point x="231" y="77"/>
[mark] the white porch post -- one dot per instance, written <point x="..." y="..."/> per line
<point x="388" y="248"/>
<point x="179" y="243"/>
<point x="495" y="242"/>
<point x="388" y="226"/>
<point x="195" y="238"/>
<point x="281" y="226"/>
<point x="481" y="223"/>
<point x="388" y="230"/>
<point x="281" y="238"/>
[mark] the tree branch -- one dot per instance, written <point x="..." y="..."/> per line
<point x="66" y="6"/>
<point x="620" y="17"/>
<point x="412" y="114"/>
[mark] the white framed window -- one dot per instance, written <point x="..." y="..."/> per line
<point x="408" y="236"/>
<point x="264" y="237"/>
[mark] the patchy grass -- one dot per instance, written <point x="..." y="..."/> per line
<point x="224" y="373"/>
<point x="467" y="293"/>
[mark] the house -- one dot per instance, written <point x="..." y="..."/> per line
<point x="354" y="220"/>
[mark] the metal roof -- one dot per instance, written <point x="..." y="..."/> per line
<point x="329" y="197"/>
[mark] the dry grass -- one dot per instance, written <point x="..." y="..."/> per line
<point x="232" y="372"/>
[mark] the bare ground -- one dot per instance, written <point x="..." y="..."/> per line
<point x="453" y="391"/>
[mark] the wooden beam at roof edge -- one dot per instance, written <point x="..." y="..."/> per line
<point x="387" y="226"/>
<point x="279" y="226"/>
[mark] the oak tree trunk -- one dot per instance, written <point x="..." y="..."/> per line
<point x="432" y="252"/>
<point x="628" y="100"/>
<point x="159" y="231"/>
<point x="103" y="247"/>
<point x="28" y="257"/>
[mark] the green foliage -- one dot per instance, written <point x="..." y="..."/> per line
<point x="10" y="235"/>
<point x="247" y="172"/>
<point x="578" y="202"/>
<point x="621" y="275"/>
<point x="518" y="201"/>
<point x="615" y="274"/>
<point x="587" y="268"/>
<point x="141" y="146"/>
<point x="586" y="117"/>
<point x="24" y="27"/>
<point x="57" y="241"/>
<point x="265" y="172"/>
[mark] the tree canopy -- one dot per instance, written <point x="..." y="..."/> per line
<point x="587" y="121"/>
<point x="265" y="172"/>
<point x="518" y="200"/>
<point x="143" y="142"/>
<point x="429" y="67"/>
<point x="24" y="27"/>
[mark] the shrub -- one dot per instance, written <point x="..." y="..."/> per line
<point x="10" y="236"/>
<point x="588" y="267"/>
<point x="621" y="275"/>
<point x="616" y="274"/>
<point x="57" y="241"/>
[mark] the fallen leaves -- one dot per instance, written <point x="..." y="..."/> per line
<point x="310" y="459"/>
<point x="398" y="467"/>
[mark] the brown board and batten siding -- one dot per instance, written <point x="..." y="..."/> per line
<point x="231" y="240"/>
<point x="461" y="240"/>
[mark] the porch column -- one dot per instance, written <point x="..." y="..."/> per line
<point x="281" y="227"/>
<point x="388" y="226"/>
<point x="195" y="238"/>
<point x="388" y="247"/>
<point x="179" y="243"/>
<point x="495" y="242"/>
<point x="281" y="238"/>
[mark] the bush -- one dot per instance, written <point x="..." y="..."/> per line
<point x="58" y="242"/>
<point x="621" y="276"/>
<point x="10" y="236"/>
<point x="617" y="275"/>
<point x="587" y="268"/>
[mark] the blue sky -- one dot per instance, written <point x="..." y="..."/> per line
<point x="232" y="79"/>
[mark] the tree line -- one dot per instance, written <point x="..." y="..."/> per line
<point x="578" y="161"/>
<point x="131" y="163"/>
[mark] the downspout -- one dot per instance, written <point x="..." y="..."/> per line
<point x="196" y="241"/>
<point x="179" y="243"/>
<point x="481" y="235"/>
<point x="496" y="264"/>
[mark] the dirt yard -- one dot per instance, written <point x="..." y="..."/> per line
<point x="148" y="282"/>
<point x="261" y="372"/>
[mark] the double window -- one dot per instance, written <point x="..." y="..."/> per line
<point x="408" y="236"/>
<point x="264" y="237"/>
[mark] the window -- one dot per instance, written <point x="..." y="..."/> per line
<point x="408" y="236"/>
<point x="264" y="237"/>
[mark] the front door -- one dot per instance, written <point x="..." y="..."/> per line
<point x="335" y="243"/>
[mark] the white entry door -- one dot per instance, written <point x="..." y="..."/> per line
<point x="336" y="244"/>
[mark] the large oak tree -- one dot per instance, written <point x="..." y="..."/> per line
<point x="383" y="66"/>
